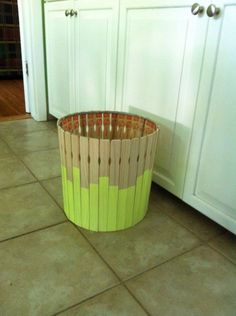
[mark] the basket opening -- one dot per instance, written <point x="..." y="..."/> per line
<point x="107" y="125"/>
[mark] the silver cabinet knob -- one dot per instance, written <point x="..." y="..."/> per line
<point x="197" y="9"/>
<point x="67" y="12"/>
<point x="73" y="12"/>
<point x="212" y="10"/>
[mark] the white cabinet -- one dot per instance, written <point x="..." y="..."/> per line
<point x="59" y="57"/>
<point x="81" y="49"/>
<point x="211" y="176"/>
<point x="176" y="68"/>
<point x="95" y="54"/>
<point x="161" y="47"/>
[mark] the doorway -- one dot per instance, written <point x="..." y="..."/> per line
<point x="12" y="102"/>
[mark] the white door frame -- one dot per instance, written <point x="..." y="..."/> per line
<point x="32" y="50"/>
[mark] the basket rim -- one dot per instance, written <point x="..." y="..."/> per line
<point x="157" y="129"/>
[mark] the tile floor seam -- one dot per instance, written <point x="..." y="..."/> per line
<point x="46" y="128"/>
<point x="214" y="237"/>
<point x="22" y="153"/>
<point x="6" y="141"/>
<point x="52" y="197"/>
<point x="108" y="265"/>
<point x="18" y="185"/>
<point x="22" y="161"/>
<point x="10" y="149"/>
<point x="123" y="282"/>
<point x="221" y="253"/>
<point x="136" y="299"/>
<point x="51" y="178"/>
<point x="164" y="262"/>
<point x="32" y="232"/>
<point x="86" y="300"/>
<point x="187" y="228"/>
<point x="18" y="155"/>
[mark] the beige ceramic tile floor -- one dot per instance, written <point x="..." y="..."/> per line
<point x="175" y="262"/>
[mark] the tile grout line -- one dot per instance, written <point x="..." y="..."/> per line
<point x="107" y="264"/>
<point x="33" y="231"/>
<point x="25" y="165"/>
<point x="222" y="254"/>
<point x="21" y="134"/>
<point x="52" y="197"/>
<point x="123" y="282"/>
<point x="51" y="178"/>
<point x="18" y="185"/>
<point x="45" y="128"/>
<point x="162" y="263"/>
<point x="22" y="153"/>
<point x="86" y="299"/>
<point x="203" y="242"/>
<point x="187" y="228"/>
<point x="29" y="152"/>
<point x="33" y="182"/>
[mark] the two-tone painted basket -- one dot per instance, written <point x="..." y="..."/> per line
<point x="106" y="162"/>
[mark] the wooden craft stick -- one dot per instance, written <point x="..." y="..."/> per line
<point x="114" y="125"/>
<point x="129" y="126"/>
<point x="142" y="153"/>
<point x="68" y="156"/>
<point x="62" y="145"/>
<point x="133" y="166"/>
<point x="83" y="123"/>
<point x="148" y="151"/>
<point x="115" y="159"/>
<point x="91" y="123"/>
<point x="98" y="133"/>
<point x="104" y="157"/>
<point x="94" y="165"/>
<point x="75" y="150"/>
<point x="106" y="124"/>
<point x="124" y="164"/>
<point x="84" y="153"/>
<point x="154" y="149"/>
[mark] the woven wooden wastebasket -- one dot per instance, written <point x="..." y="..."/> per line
<point x="106" y="164"/>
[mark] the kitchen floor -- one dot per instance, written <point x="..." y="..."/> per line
<point x="12" y="101"/>
<point x="175" y="262"/>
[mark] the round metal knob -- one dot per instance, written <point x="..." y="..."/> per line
<point x="197" y="9"/>
<point x="212" y="10"/>
<point x="73" y="12"/>
<point x="67" y="12"/>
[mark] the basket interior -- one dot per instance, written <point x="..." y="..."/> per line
<point x="107" y="125"/>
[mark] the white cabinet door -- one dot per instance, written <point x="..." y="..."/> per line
<point x="95" y="39"/>
<point x="58" y="52"/>
<point x="161" y="46"/>
<point x="211" y="177"/>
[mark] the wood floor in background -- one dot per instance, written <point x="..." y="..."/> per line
<point x="12" y="101"/>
